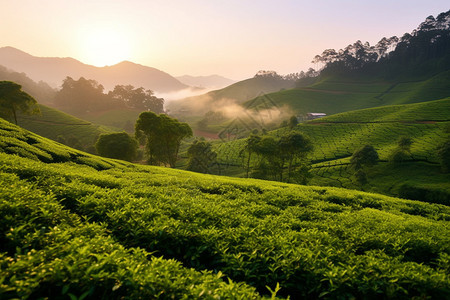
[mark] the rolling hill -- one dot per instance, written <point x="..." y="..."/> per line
<point x="236" y="93"/>
<point x="340" y="94"/>
<point x="336" y="137"/>
<point x="76" y="225"/>
<point x="54" y="70"/>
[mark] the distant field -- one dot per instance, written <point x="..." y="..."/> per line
<point x="336" y="137"/>
<point x="75" y="225"/>
<point x="336" y="95"/>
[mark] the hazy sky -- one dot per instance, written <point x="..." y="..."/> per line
<point x="233" y="38"/>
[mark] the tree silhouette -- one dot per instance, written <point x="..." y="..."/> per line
<point x="13" y="100"/>
<point x="163" y="136"/>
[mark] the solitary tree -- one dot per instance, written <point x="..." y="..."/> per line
<point x="163" y="136"/>
<point x="13" y="99"/>
<point x="201" y="156"/>
<point x="293" y="122"/>
<point x="117" y="145"/>
<point x="364" y="156"/>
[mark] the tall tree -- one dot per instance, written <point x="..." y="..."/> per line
<point x="81" y="96"/>
<point x="13" y="100"/>
<point x="163" y="137"/>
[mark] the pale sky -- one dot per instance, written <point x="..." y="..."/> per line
<point x="232" y="38"/>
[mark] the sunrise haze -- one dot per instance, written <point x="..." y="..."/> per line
<point x="233" y="38"/>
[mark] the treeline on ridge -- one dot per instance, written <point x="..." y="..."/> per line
<point x="87" y="96"/>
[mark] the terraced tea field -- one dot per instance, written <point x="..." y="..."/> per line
<point x="78" y="226"/>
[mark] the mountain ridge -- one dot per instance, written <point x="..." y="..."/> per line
<point x="58" y="68"/>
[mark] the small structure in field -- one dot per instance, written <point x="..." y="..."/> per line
<point x="312" y="116"/>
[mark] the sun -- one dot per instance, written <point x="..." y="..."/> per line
<point x="105" y="46"/>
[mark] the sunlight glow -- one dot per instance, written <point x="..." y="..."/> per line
<point x="105" y="46"/>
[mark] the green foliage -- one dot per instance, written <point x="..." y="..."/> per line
<point x="117" y="145"/>
<point x="84" y="96"/>
<point x="137" y="98"/>
<point x="163" y="134"/>
<point x="364" y="156"/>
<point x="293" y="122"/>
<point x="14" y="100"/>
<point x="201" y="157"/>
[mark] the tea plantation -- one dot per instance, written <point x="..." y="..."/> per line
<point x="336" y="137"/>
<point x="79" y="226"/>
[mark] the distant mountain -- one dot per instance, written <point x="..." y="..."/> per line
<point x="54" y="69"/>
<point x="208" y="82"/>
<point x="41" y="91"/>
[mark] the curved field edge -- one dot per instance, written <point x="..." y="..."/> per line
<point x="312" y="241"/>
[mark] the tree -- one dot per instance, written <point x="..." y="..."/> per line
<point x="163" y="136"/>
<point x="13" y="100"/>
<point x="117" y="145"/>
<point x="293" y="122"/>
<point x="201" y="156"/>
<point x="250" y="147"/>
<point x="137" y="98"/>
<point x="364" y="156"/>
<point x="294" y="146"/>
<point x="276" y="155"/>
<point x="403" y="151"/>
<point x="81" y="96"/>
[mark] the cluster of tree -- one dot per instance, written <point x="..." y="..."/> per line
<point x="13" y="100"/>
<point x="292" y="122"/>
<point x="162" y="136"/>
<point x="202" y="158"/>
<point x="431" y="40"/>
<point x="87" y="95"/>
<point x="290" y="77"/>
<point x="267" y="157"/>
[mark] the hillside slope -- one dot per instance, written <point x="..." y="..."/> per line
<point x="336" y="137"/>
<point x="77" y="225"/>
<point x="59" y="126"/>
<point x="236" y="93"/>
<point x="54" y="70"/>
<point x="340" y="94"/>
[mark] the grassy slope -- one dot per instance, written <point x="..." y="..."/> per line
<point x="335" y="95"/>
<point x="336" y="137"/>
<point x="69" y="228"/>
<point x="53" y="123"/>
